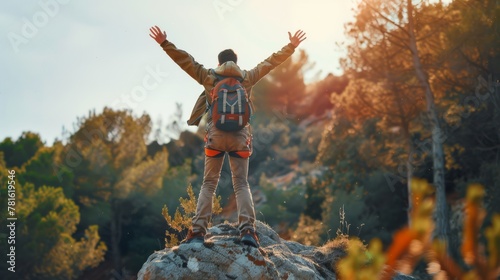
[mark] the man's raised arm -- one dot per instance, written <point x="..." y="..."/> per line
<point x="276" y="58"/>
<point x="182" y="58"/>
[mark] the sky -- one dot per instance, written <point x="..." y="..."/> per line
<point x="60" y="59"/>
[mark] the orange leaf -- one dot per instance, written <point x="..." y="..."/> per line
<point x="400" y="245"/>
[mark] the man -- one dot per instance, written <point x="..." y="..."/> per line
<point x="217" y="142"/>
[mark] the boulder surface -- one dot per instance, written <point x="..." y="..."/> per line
<point x="223" y="256"/>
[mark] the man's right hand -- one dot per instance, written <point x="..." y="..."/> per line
<point x="156" y="34"/>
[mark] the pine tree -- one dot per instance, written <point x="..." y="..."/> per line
<point x="112" y="171"/>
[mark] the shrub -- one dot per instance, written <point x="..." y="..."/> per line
<point x="182" y="221"/>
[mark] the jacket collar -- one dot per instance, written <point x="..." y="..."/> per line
<point x="230" y="69"/>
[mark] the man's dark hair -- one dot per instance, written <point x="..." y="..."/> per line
<point x="227" y="55"/>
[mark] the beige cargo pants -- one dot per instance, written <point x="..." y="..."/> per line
<point x="238" y="146"/>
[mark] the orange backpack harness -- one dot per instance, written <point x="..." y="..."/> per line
<point x="209" y="152"/>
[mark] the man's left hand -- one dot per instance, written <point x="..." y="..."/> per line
<point x="297" y="38"/>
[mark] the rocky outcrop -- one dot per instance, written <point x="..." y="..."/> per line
<point x="222" y="256"/>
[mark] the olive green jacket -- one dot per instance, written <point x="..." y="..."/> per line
<point x="206" y="78"/>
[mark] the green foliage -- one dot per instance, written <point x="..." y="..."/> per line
<point x="309" y="141"/>
<point x="174" y="184"/>
<point x="473" y="40"/>
<point x="315" y="196"/>
<point x="41" y="170"/>
<point x="19" y="152"/>
<point x="388" y="203"/>
<point x="340" y="144"/>
<point x="113" y="175"/>
<point x="45" y="248"/>
<point x="346" y="213"/>
<point x="146" y="226"/>
<point x="283" y="206"/>
<point x="366" y="209"/>
<point x="268" y="140"/>
<point x="356" y="156"/>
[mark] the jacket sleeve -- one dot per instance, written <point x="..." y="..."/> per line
<point x="270" y="63"/>
<point x="186" y="62"/>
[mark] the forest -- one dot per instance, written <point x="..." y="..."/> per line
<point x="418" y="101"/>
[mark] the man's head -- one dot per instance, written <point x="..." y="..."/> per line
<point x="227" y="55"/>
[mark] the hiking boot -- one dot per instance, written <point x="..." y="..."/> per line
<point x="194" y="237"/>
<point x="249" y="237"/>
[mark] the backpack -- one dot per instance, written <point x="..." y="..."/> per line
<point x="230" y="109"/>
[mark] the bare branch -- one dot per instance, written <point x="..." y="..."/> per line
<point x="386" y="18"/>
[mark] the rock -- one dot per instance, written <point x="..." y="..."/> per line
<point x="222" y="256"/>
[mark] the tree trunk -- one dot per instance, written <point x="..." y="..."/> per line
<point x="441" y="216"/>
<point x="409" y="170"/>
<point x="405" y="124"/>
<point x="115" y="239"/>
